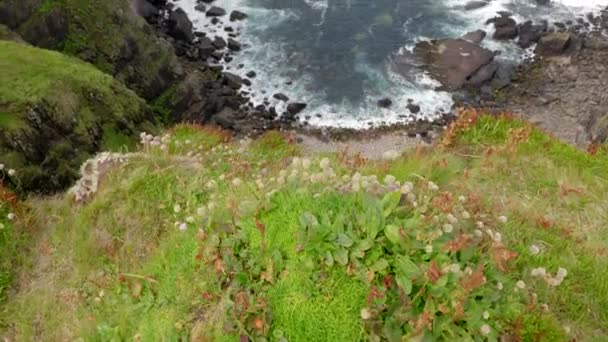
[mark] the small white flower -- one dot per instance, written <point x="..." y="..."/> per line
<point x="539" y="272"/>
<point x="324" y="163"/>
<point x="237" y="182"/>
<point x="468" y="270"/>
<point x="486" y="315"/>
<point x="222" y="177"/>
<point x="562" y="273"/>
<point x="190" y="219"/>
<point x="1" y="166"/>
<point x="11" y="216"/>
<point x="567" y="329"/>
<point x="479" y="224"/>
<point x="187" y="142"/>
<point x="365" y="314"/>
<point x="534" y="250"/>
<point x="485" y="330"/>
<point x="448" y="228"/>
<point x="177" y="208"/>
<point x="462" y="198"/>
<point x="478" y="233"/>
<point x="306" y="163"/>
<point x="407" y="187"/>
<point x="433" y="186"/>
<point x="502" y="219"/>
<point x="455" y="268"/>
<point x="428" y="249"/>
<point x="200" y="211"/>
<point x="390" y="155"/>
<point x="296" y="162"/>
<point x="389" y="180"/>
<point x="183" y="227"/>
<point x="466" y="215"/>
<point x="497" y="237"/>
<point x="452" y="219"/>
<point x="499" y="286"/>
<point x="11" y="172"/>
<point x="520" y="284"/>
<point x="544" y="307"/>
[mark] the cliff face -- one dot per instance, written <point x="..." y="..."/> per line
<point x="55" y="111"/>
<point x="108" y="34"/>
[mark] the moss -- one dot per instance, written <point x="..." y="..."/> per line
<point x="56" y="111"/>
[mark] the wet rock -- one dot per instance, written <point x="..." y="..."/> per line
<point x="451" y="61"/>
<point x="237" y="15"/>
<point x="219" y="43"/>
<point x="234" y="45"/>
<point x="180" y="27"/>
<point x="200" y="7"/>
<point x="205" y="48"/>
<point x="553" y="44"/>
<point x="385" y="103"/>
<point x="413" y="108"/>
<point x="281" y="97"/>
<point x="251" y="74"/>
<point x="475" y="37"/>
<point x="216" y="12"/>
<point x="484" y="74"/>
<point x="530" y="34"/>
<point x="295" y="108"/>
<point x="505" y="27"/>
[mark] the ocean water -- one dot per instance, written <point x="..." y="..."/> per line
<point x="335" y="54"/>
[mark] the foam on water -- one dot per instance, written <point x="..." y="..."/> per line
<point x="273" y="59"/>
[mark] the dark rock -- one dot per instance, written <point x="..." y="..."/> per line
<point x="205" y="48"/>
<point x="484" y="74"/>
<point x="219" y="42"/>
<point x="200" y="7"/>
<point x="225" y="118"/>
<point x="234" y="45"/>
<point x="216" y="12"/>
<point x="530" y="34"/>
<point x="232" y="80"/>
<point x="295" y="108"/>
<point x="553" y="44"/>
<point x="237" y="15"/>
<point x="251" y="74"/>
<point x="281" y="97"/>
<point x="413" y="108"/>
<point x="385" y="102"/>
<point x="475" y="36"/>
<point x="180" y="27"/>
<point x="146" y="9"/>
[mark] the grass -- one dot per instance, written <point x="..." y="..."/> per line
<point x="202" y="237"/>
<point x="54" y="102"/>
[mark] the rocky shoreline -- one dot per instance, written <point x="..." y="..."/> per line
<point x="469" y="71"/>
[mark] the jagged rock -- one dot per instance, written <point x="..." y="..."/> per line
<point x="281" y="97"/>
<point x="530" y="34"/>
<point x="234" y="45"/>
<point x="295" y="108"/>
<point x="180" y="27"/>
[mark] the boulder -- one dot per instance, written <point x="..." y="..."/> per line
<point x="385" y="103"/>
<point x="234" y="45"/>
<point x="216" y="12"/>
<point x="232" y="80"/>
<point x="237" y="15"/>
<point x="475" y="37"/>
<point x="530" y="34"/>
<point x="295" y="108"/>
<point x="451" y="61"/>
<point x="505" y="28"/>
<point x="553" y="44"/>
<point x="413" y="108"/>
<point x="180" y="27"/>
<point x="281" y="97"/>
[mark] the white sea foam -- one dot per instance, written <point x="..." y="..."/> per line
<point x="274" y="68"/>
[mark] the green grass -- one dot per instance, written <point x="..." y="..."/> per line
<point x="262" y="252"/>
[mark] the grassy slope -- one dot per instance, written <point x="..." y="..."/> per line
<point x="75" y="102"/>
<point x="119" y="267"/>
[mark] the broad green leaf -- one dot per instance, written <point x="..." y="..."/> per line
<point x="364" y="245"/>
<point x="379" y="265"/>
<point x="329" y="259"/>
<point x="405" y="266"/>
<point x="341" y="256"/>
<point x="390" y="201"/>
<point x="308" y="220"/>
<point x="344" y="240"/>
<point x="405" y="283"/>
<point x="392" y="233"/>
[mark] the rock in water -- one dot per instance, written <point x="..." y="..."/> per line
<point x="452" y="61"/>
<point x="216" y="12"/>
<point x="385" y="102"/>
<point x="295" y="108"/>
<point x="475" y="37"/>
<point x="180" y="27"/>
<point x="237" y="15"/>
